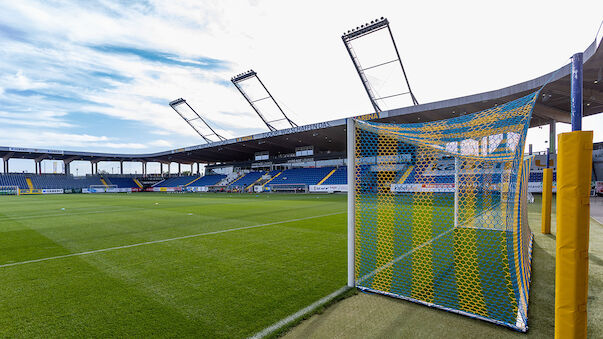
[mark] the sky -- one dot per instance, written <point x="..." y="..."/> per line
<point x="98" y="75"/>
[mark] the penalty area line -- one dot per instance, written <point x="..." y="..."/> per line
<point x="164" y="240"/>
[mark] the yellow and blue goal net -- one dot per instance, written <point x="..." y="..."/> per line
<point x="439" y="212"/>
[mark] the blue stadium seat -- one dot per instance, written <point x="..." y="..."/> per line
<point x="176" y="181"/>
<point x="121" y="182"/>
<point x="308" y="176"/>
<point x="13" y="180"/>
<point x="63" y="181"/>
<point x="247" y="179"/>
<point x="340" y="177"/>
<point x="207" y="180"/>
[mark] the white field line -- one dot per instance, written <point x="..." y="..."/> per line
<point x="66" y="214"/>
<point x="396" y="260"/>
<point x="109" y="210"/>
<point x="297" y="315"/>
<point x="164" y="240"/>
<point x="404" y="255"/>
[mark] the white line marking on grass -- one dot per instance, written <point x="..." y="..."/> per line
<point x="299" y="314"/>
<point x="64" y="214"/>
<point x="396" y="260"/>
<point x="164" y="240"/>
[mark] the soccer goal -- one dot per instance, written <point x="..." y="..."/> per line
<point x="291" y="188"/>
<point x="437" y="212"/>
<point x="217" y="188"/>
<point x="9" y="190"/>
<point x="102" y="188"/>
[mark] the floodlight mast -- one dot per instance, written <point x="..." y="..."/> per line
<point x="361" y="31"/>
<point x="236" y="80"/>
<point x="180" y="101"/>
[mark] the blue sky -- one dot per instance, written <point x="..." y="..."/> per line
<point x="98" y="75"/>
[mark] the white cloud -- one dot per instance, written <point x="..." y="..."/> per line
<point x="40" y="119"/>
<point x="161" y="143"/>
<point x="48" y="139"/>
<point x="131" y="145"/>
<point x="34" y="123"/>
<point x="20" y="81"/>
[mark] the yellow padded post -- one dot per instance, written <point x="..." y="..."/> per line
<point x="547" y="196"/>
<point x="574" y="167"/>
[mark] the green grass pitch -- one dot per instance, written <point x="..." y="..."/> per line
<point x="222" y="284"/>
<point x="229" y="284"/>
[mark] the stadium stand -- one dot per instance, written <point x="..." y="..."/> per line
<point x="339" y="177"/>
<point x="247" y="179"/>
<point x="307" y="176"/>
<point x="208" y="180"/>
<point x="177" y="181"/>
<point x="13" y="180"/>
<point x="537" y="176"/>
<point x="121" y="182"/>
<point x="51" y="181"/>
<point x="191" y="180"/>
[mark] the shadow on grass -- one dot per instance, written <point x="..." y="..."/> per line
<point x="374" y="316"/>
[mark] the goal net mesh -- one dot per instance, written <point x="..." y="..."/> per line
<point x="9" y="190"/>
<point x="440" y="212"/>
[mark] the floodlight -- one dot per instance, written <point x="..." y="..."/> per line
<point x="369" y="87"/>
<point x="194" y="120"/>
<point x="262" y="102"/>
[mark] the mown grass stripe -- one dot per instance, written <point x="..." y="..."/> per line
<point x="164" y="240"/>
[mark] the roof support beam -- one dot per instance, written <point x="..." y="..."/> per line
<point x="551" y="113"/>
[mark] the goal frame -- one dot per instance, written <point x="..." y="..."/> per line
<point x="351" y="153"/>
<point x="296" y="188"/>
<point x="14" y="187"/>
<point x="217" y="188"/>
<point x="354" y="159"/>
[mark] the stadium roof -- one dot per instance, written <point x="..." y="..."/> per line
<point x="553" y="104"/>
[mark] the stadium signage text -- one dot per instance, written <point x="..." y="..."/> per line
<point x="34" y="150"/>
<point x="296" y="129"/>
<point x="328" y="188"/>
<point x="53" y="191"/>
<point x="246" y="138"/>
<point x="366" y="117"/>
<point x="400" y="188"/>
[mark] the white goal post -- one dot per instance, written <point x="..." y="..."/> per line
<point x="351" y="153"/>
<point x="10" y="190"/>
